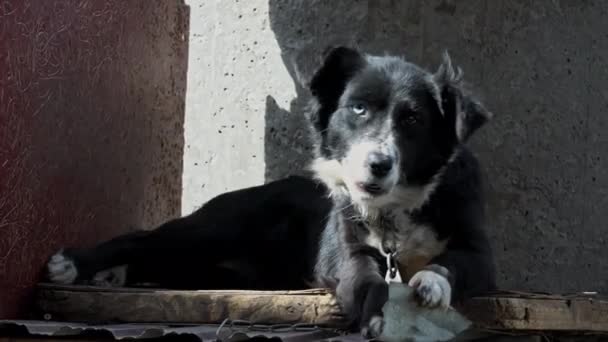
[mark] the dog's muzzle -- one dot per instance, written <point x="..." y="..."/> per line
<point x="379" y="164"/>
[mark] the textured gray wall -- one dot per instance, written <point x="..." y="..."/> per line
<point x="540" y="67"/>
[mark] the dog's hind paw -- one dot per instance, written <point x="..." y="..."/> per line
<point x="62" y="269"/>
<point x="112" y="277"/>
<point x="373" y="329"/>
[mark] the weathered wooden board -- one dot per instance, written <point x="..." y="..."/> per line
<point x="93" y="304"/>
<point x="502" y="311"/>
<point x="538" y="312"/>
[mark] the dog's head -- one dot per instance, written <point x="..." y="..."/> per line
<point x="383" y="125"/>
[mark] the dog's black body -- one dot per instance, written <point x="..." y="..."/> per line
<point x="392" y="176"/>
<point x="262" y="237"/>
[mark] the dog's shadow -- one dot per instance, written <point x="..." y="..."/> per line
<point x="288" y="149"/>
<point x="286" y="146"/>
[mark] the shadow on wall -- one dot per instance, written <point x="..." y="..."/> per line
<point x="296" y="28"/>
<point x="91" y="127"/>
<point x="544" y="154"/>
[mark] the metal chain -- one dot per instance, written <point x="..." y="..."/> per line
<point x="234" y="326"/>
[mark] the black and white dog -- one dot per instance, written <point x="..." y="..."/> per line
<point x="389" y="140"/>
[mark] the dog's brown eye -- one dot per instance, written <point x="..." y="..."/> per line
<point x="410" y="119"/>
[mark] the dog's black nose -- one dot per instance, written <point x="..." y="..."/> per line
<point x="379" y="164"/>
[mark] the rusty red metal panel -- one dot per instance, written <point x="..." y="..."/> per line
<point x="91" y="127"/>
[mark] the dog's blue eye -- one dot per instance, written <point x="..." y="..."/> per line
<point x="358" y="109"/>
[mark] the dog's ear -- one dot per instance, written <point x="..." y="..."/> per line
<point x="465" y="113"/>
<point x="329" y="82"/>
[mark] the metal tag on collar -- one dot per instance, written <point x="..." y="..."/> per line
<point x="392" y="269"/>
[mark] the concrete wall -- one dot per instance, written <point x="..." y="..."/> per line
<point x="91" y="138"/>
<point x="540" y="66"/>
<point x="235" y="63"/>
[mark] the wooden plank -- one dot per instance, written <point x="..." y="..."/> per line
<point x="502" y="311"/>
<point x="83" y="288"/>
<point x="89" y="304"/>
<point x="547" y="314"/>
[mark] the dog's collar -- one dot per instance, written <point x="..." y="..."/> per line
<point x="385" y="225"/>
<point x="392" y="269"/>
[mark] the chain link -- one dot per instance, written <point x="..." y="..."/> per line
<point x="235" y="326"/>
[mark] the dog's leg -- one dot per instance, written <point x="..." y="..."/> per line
<point x="110" y="262"/>
<point x="62" y="270"/>
<point x="105" y="263"/>
<point x="174" y="255"/>
<point x="362" y="293"/>
<point x="372" y="321"/>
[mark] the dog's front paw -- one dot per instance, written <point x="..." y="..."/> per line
<point x="373" y="328"/>
<point x="432" y="288"/>
<point x="62" y="269"/>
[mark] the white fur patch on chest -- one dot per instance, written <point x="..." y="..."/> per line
<point x="414" y="244"/>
